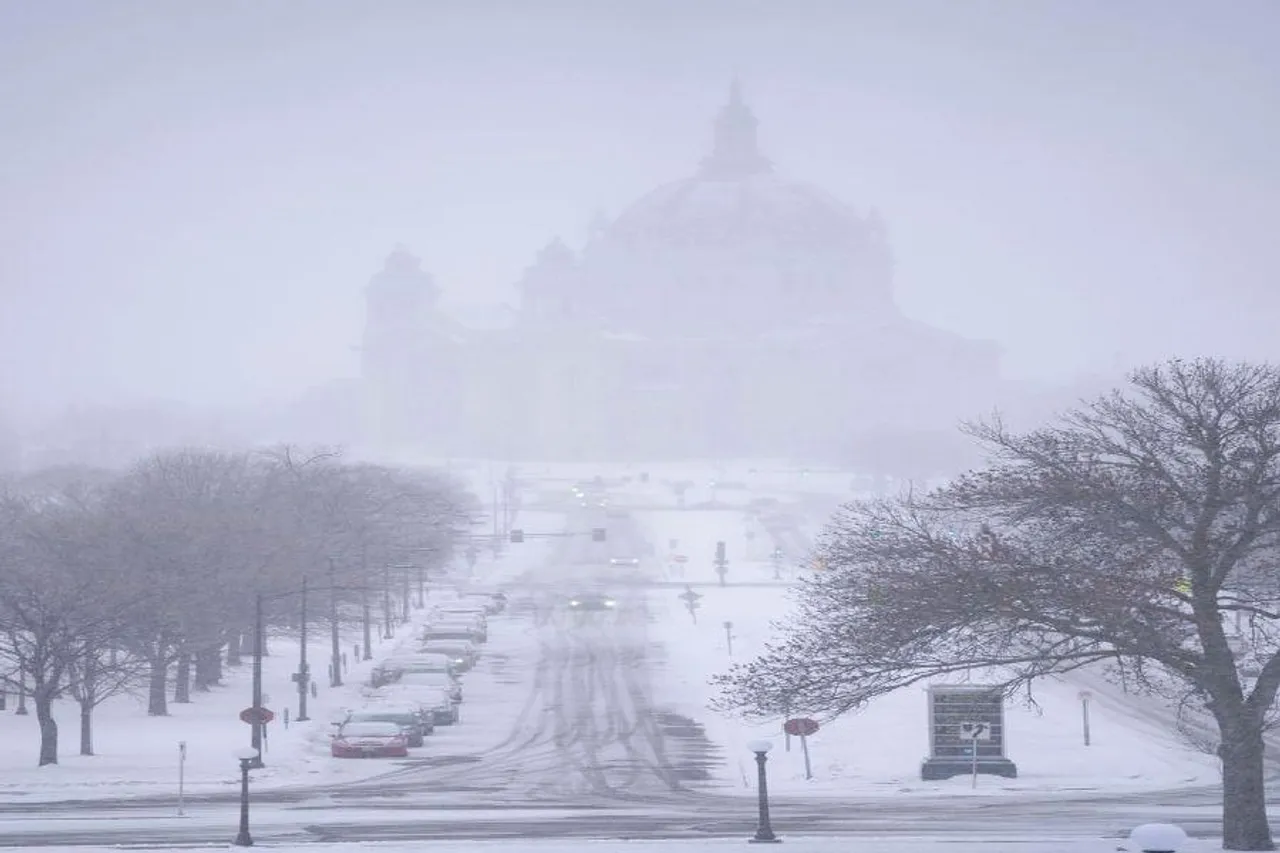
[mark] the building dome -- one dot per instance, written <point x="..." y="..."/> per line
<point x="759" y="250"/>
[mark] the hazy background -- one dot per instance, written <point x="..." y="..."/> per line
<point x="194" y="193"/>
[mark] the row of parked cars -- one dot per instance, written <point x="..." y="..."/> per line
<point x="419" y="687"/>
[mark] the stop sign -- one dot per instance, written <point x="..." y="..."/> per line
<point x="260" y="716"/>
<point x="800" y="727"/>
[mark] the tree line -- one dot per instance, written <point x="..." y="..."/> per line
<point x="147" y="579"/>
<point x="1139" y="533"/>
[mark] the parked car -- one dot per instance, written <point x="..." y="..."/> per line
<point x="369" y="740"/>
<point x="492" y="602"/>
<point x="443" y="710"/>
<point x="463" y="654"/>
<point x="464" y="633"/>
<point x="415" y="724"/>
<point x="417" y="662"/>
<point x="440" y="680"/>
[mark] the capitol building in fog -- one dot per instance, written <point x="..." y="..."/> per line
<point x="731" y="313"/>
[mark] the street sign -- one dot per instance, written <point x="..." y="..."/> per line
<point x="975" y="730"/>
<point x="800" y="727"/>
<point x="256" y="715"/>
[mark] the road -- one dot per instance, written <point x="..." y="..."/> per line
<point x="587" y="755"/>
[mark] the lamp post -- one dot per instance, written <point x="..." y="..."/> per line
<point x="387" y="633"/>
<point x="246" y="758"/>
<point x="302" y="677"/>
<point x="764" y="830"/>
<point x="256" y="735"/>
<point x="335" y="641"/>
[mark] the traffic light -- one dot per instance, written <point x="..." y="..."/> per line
<point x="517" y="536"/>
<point x="720" y="558"/>
<point x="598" y="534"/>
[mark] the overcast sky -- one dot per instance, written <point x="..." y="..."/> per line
<point x="193" y="193"/>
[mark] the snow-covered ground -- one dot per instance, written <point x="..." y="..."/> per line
<point x="138" y="755"/>
<point x="879" y="749"/>
<point x="895" y="844"/>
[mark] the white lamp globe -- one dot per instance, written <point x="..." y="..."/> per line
<point x="1158" y="838"/>
<point x="247" y="754"/>
<point x="760" y="746"/>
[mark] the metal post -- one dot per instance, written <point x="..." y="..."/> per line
<point x="422" y="585"/>
<point x="975" y="762"/>
<point x="302" y="658"/>
<point x="404" y="610"/>
<point x="386" y="602"/>
<point x="335" y="669"/>
<point x="243" y="838"/>
<point x="366" y="652"/>
<point x="728" y="636"/>
<point x="1085" y="696"/>
<point x="256" y="728"/>
<point x="182" y="776"/>
<point x="804" y="747"/>
<point x="764" y="830"/>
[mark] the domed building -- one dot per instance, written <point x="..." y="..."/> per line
<point x="734" y="313"/>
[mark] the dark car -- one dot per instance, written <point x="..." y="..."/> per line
<point x="415" y="724"/>
<point x="592" y="601"/>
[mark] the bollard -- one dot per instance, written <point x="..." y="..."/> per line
<point x="286" y="717"/>
<point x="344" y="661"/>
<point x="314" y="691"/>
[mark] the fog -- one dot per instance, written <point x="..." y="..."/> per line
<point x="195" y="195"/>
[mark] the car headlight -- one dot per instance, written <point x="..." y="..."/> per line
<point x="574" y="603"/>
<point x="610" y="603"/>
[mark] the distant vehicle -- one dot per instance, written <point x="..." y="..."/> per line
<point x="624" y="561"/>
<point x="592" y="601"/>
<point x="370" y="740"/>
<point x="412" y="721"/>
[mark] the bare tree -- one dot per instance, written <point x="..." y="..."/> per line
<point x="1141" y="531"/>
<point x="98" y="674"/>
<point x="57" y="602"/>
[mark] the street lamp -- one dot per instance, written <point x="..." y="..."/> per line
<point x="246" y="758"/>
<point x="764" y="831"/>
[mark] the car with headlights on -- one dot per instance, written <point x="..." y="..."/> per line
<point x="592" y="601"/>
<point x="369" y="740"/>
<point x="463" y="654"/>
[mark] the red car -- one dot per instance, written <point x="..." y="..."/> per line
<point x="370" y="740"/>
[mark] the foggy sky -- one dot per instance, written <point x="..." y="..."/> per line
<point x="193" y="194"/>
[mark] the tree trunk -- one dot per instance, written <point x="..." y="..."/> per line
<point x="208" y="668"/>
<point x="157" y="702"/>
<point x="43" y="701"/>
<point x="86" y="728"/>
<point x="233" y="648"/>
<point x="1244" y="805"/>
<point x="182" y="680"/>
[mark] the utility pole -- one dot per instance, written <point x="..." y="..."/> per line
<point x="386" y="602"/>
<point x="302" y="676"/>
<point x="335" y="677"/>
<point x="256" y="736"/>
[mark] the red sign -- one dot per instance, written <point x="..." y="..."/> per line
<point x="800" y="727"/>
<point x="256" y="715"/>
<point x="679" y="558"/>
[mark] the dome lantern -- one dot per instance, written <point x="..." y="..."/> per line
<point x="735" y="153"/>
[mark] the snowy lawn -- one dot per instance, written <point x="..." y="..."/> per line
<point x="894" y="844"/>
<point x="879" y="749"/>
